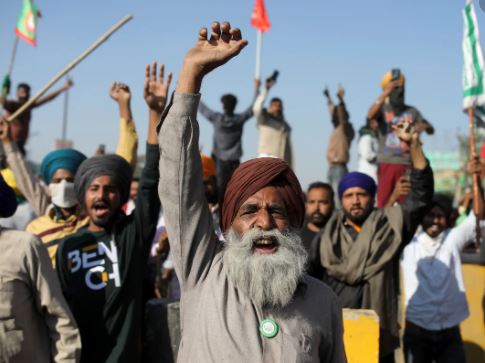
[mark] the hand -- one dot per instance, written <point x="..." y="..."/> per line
<point x="69" y="83"/>
<point x="340" y="92"/>
<point x="120" y="92"/>
<point x="257" y="84"/>
<point x="4" y="130"/>
<point x="155" y="91"/>
<point x="326" y="93"/>
<point x="163" y="245"/>
<point x="100" y="150"/>
<point x="392" y="86"/>
<point x="405" y="130"/>
<point x="207" y="54"/>
<point x="474" y="166"/>
<point x="269" y="83"/>
<point x="402" y="187"/>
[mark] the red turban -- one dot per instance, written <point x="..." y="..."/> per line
<point x="255" y="174"/>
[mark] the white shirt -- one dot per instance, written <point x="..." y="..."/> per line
<point x="367" y="149"/>
<point x="433" y="281"/>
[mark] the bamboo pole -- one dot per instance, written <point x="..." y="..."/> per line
<point x="69" y="67"/>
<point x="64" y="115"/>
<point x="475" y="178"/>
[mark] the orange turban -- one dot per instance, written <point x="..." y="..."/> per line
<point x="255" y="174"/>
<point x="388" y="78"/>
<point x="208" y="165"/>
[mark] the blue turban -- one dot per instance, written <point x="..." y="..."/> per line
<point x="8" y="201"/>
<point x="69" y="159"/>
<point x="356" y="179"/>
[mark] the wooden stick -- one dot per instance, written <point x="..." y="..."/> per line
<point x="70" y="66"/>
<point x="475" y="177"/>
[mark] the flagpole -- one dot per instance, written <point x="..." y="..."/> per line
<point x="475" y="177"/>
<point x="259" y="44"/>
<point x="70" y="66"/>
<point x="12" y="57"/>
<point x="10" y="68"/>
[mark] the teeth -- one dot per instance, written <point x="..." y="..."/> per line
<point x="264" y="241"/>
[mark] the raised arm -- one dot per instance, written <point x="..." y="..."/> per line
<point x="422" y="183"/>
<point x="207" y="112"/>
<point x="377" y="105"/>
<point x="49" y="97"/>
<point x="128" y="138"/>
<point x="259" y="101"/>
<point x="248" y="112"/>
<point x="155" y="92"/>
<point x="147" y="205"/>
<point x="28" y="184"/>
<point x="401" y="189"/>
<point x="189" y="223"/>
<point x="330" y="105"/>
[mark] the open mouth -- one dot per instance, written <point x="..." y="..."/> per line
<point x="266" y="245"/>
<point x="100" y="209"/>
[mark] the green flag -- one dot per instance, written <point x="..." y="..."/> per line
<point x="27" y="23"/>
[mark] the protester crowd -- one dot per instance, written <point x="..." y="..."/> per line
<point x="94" y="250"/>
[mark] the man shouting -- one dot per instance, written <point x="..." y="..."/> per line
<point x="247" y="300"/>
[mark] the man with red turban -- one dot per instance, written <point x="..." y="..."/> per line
<point x="247" y="299"/>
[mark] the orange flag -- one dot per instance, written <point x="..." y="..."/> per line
<point x="259" y="18"/>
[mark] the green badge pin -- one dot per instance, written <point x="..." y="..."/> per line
<point x="268" y="328"/>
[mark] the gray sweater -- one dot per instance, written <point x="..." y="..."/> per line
<point x="219" y="323"/>
<point x="228" y="131"/>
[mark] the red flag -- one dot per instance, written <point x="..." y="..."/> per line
<point x="259" y="18"/>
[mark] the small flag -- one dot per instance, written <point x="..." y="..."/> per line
<point x="27" y="23"/>
<point x="259" y="18"/>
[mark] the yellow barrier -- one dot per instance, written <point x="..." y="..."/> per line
<point x="473" y="328"/>
<point x="361" y="336"/>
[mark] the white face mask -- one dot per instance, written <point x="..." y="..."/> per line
<point x="63" y="194"/>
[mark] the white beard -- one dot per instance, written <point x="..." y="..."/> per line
<point x="268" y="279"/>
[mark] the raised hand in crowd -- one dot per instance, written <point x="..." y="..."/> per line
<point x="257" y="84"/>
<point x="340" y="93"/>
<point x="406" y="130"/>
<point x="120" y="93"/>
<point x="401" y="189"/>
<point x="209" y="53"/>
<point x="155" y="89"/>
<point x="475" y="167"/>
<point x="155" y="92"/>
<point x="376" y="106"/>
<point x="408" y="134"/>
